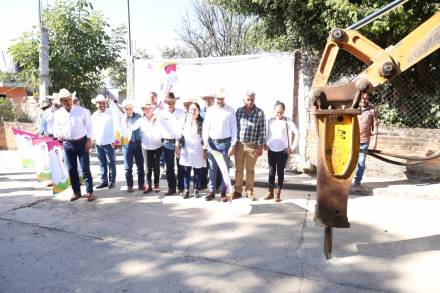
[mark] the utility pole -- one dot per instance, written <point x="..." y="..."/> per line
<point x="43" y="58"/>
<point x="130" y="59"/>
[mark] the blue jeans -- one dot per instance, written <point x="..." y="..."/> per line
<point x="222" y="147"/>
<point x="361" y="163"/>
<point x="170" y="158"/>
<point x="106" y="157"/>
<point x="187" y="177"/>
<point x="72" y="152"/>
<point x="133" y="149"/>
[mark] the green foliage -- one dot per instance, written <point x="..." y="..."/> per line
<point x="7" y="112"/>
<point x="9" y="77"/>
<point x="304" y="24"/>
<point x="80" y="48"/>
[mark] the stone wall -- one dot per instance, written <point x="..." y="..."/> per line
<point x="410" y="142"/>
<point x="7" y="139"/>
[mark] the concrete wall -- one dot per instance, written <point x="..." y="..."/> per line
<point x="410" y="142"/>
<point x="7" y="139"/>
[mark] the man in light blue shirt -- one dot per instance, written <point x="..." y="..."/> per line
<point x="134" y="148"/>
<point x="45" y="125"/>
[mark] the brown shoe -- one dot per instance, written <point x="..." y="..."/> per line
<point x="147" y="189"/>
<point x="236" y="195"/>
<point x="278" y="195"/>
<point x="130" y="189"/>
<point x="269" y="194"/>
<point x="210" y="196"/>
<point x="181" y="192"/>
<point x="75" y="197"/>
<point x="156" y="188"/>
<point x="251" y="196"/>
<point x="90" y="197"/>
<point x="170" y="192"/>
<point x="141" y="187"/>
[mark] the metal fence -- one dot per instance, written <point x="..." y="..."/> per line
<point x="411" y="100"/>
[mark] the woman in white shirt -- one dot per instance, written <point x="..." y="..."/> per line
<point x="151" y="145"/>
<point x="192" y="154"/>
<point x="279" y="145"/>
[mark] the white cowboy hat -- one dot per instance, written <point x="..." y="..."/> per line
<point x="64" y="93"/>
<point x="148" y="102"/>
<point x="127" y="103"/>
<point x="221" y="93"/>
<point x="99" y="98"/>
<point x="190" y="101"/>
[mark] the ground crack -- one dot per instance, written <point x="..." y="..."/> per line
<point x="29" y="205"/>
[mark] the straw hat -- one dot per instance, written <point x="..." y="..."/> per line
<point x="171" y="97"/>
<point x="221" y="93"/>
<point x="64" y="93"/>
<point x="99" y="98"/>
<point x="190" y="101"/>
<point x="127" y="103"/>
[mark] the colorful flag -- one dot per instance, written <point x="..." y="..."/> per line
<point x="25" y="146"/>
<point x="60" y="176"/>
<point x="41" y="158"/>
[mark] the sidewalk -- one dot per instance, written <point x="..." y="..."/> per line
<point x="150" y="243"/>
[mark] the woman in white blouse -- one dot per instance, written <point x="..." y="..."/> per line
<point x="192" y="155"/>
<point x="279" y="145"/>
<point x="151" y="145"/>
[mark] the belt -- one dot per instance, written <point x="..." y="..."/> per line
<point x="168" y="140"/>
<point x="220" y="140"/>
<point x="74" y="140"/>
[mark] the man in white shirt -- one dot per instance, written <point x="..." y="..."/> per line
<point x="45" y="124"/>
<point x="219" y="134"/>
<point x="171" y="120"/>
<point x="102" y="123"/>
<point x="73" y="126"/>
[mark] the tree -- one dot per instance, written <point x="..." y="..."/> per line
<point x="177" y="52"/>
<point x="297" y="24"/>
<point x="80" y="48"/>
<point x="215" y="32"/>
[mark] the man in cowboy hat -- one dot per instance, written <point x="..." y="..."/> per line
<point x="219" y="134"/>
<point x="45" y="122"/>
<point x="73" y="126"/>
<point x="172" y="120"/>
<point x="134" y="147"/>
<point x="102" y="123"/>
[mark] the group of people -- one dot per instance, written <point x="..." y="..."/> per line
<point x="183" y="139"/>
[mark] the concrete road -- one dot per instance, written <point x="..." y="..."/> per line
<point x="150" y="243"/>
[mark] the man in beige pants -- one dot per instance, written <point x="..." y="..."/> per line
<point x="251" y="132"/>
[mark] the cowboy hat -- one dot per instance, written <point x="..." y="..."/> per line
<point x="127" y="103"/>
<point x="99" y="98"/>
<point x="221" y="93"/>
<point x="189" y="101"/>
<point x="148" y="102"/>
<point x="64" y="93"/>
<point x="171" y="97"/>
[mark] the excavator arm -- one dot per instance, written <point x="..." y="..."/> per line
<point x="336" y="108"/>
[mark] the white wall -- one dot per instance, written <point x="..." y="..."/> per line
<point x="271" y="76"/>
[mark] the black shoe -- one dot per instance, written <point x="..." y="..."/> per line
<point x="111" y="185"/>
<point x="101" y="185"/>
<point x="186" y="194"/>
